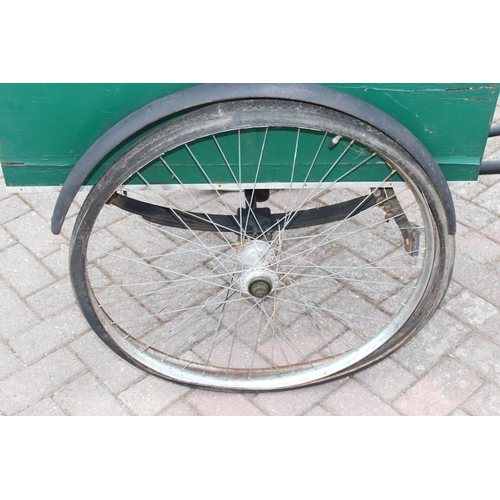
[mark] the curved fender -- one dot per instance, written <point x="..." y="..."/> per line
<point x="210" y="93"/>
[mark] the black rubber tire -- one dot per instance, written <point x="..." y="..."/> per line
<point x="218" y="119"/>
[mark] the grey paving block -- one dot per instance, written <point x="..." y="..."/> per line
<point x="294" y="402"/>
<point x="45" y="408"/>
<point x="151" y="395"/>
<point x="43" y="203"/>
<point x="6" y="240"/>
<point x="179" y="409"/>
<point x="478" y="279"/>
<point x="45" y="337"/>
<point x="22" y="271"/>
<point x="352" y="399"/>
<point x="478" y="313"/>
<point x="317" y="411"/>
<point x="486" y="401"/>
<point x="472" y="215"/>
<point x="16" y="315"/>
<point x="222" y="404"/>
<point x="483" y="355"/>
<point x="33" y="232"/>
<point x="441" y="391"/>
<point x="489" y="197"/>
<point x="52" y="299"/>
<point x="57" y="262"/>
<point x="442" y="334"/>
<point x="476" y="246"/>
<point x="11" y="208"/>
<point x="86" y="396"/>
<point x="386" y="379"/>
<point x="115" y="372"/>
<point x="27" y="387"/>
<point x="9" y="362"/>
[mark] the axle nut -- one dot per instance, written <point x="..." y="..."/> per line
<point x="260" y="288"/>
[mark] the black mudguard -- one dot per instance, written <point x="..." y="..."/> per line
<point x="200" y="95"/>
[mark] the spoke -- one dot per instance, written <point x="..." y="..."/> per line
<point x="313" y="163"/>
<point x="313" y="193"/>
<point x="308" y="310"/>
<point x="193" y="332"/>
<point x="221" y="316"/>
<point x="274" y="324"/>
<point x="229" y="273"/>
<point x="220" y="335"/>
<point x="328" y="232"/>
<point x="335" y="312"/>
<point x="241" y="190"/>
<point x="255" y="184"/>
<point x="195" y="309"/>
<point x="255" y="344"/>
<point x="193" y="198"/>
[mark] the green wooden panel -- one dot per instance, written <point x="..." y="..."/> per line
<point x="46" y="128"/>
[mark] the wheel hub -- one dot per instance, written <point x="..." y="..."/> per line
<point x="256" y="258"/>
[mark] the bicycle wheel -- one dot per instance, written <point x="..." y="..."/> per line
<point x="260" y="245"/>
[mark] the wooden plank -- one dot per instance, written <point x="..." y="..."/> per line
<point x="47" y="127"/>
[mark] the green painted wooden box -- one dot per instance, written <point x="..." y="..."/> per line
<point x="46" y="128"/>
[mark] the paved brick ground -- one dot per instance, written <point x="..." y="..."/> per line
<point x="52" y="364"/>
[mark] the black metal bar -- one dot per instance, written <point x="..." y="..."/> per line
<point x="490" y="168"/>
<point x="494" y="131"/>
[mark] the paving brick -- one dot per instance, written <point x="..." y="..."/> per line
<point x="386" y="379"/>
<point x="478" y="279"/>
<point x="3" y="189"/>
<point x="179" y="409"/>
<point x="469" y="242"/>
<point x="471" y="309"/>
<point x="439" y="392"/>
<point x="295" y="402"/>
<point x="57" y="262"/>
<point x="440" y="336"/>
<point x="19" y="268"/>
<point x="493" y="231"/>
<point x="481" y="354"/>
<point x="87" y="396"/>
<point x="6" y="239"/>
<point x="489" y="198"/>
<point x="317" y="411"/>
<point x="471" y="215"/>
<point x="352" y="399"/>
<point x="44" y="337"/>
<point x="486" y="401"/>
<point x="45" y="408"/>
<point x="459" y="413"/>
<point x="32" y="231"/>
<point x="15" y="314"/>
<point x="43" y="203"/>
<point x="11" y="208"/>
<point x="52" y="299"/>
<point x="112" y="370"/>
<point x="151" y="395"/>
<point x="468" y="191"/>
<point x="28" y="386"/>
<point x="9" y="363"/>
<point x="222" y="404"/>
